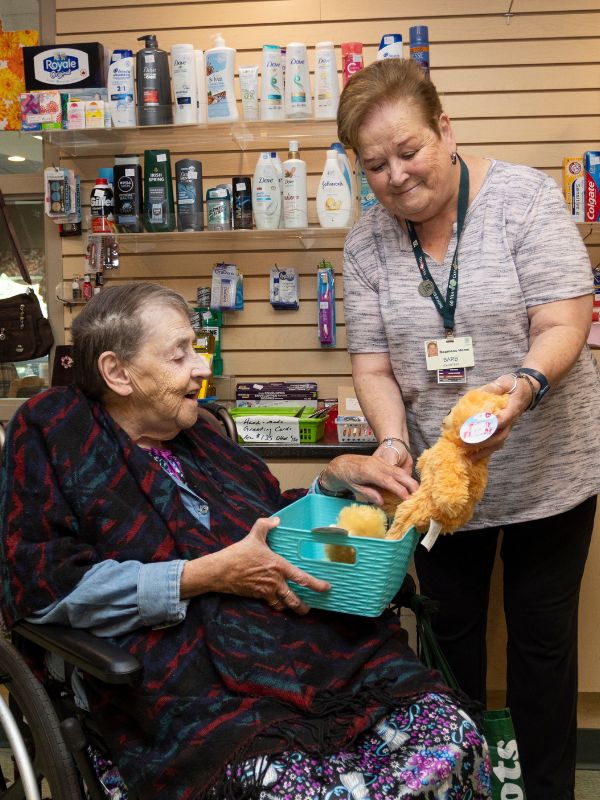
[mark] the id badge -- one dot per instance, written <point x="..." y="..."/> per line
<point x="449" y="354"/>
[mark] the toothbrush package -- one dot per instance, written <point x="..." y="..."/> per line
<point x="326" y="304"/>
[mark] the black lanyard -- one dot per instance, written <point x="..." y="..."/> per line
<point x="428" y="287"/>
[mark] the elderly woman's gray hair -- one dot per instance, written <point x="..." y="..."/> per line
<point x="383" y="82"/>
<point x="112" y="320"/>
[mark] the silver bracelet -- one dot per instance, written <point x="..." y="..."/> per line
<point x="388" y="444"/>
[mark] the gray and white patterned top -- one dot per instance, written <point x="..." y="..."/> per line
<point x="519" y="248"/>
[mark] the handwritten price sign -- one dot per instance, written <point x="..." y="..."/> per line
<point x="272" y="429"/>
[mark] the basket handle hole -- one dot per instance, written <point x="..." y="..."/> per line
<point x="339" y="553"/>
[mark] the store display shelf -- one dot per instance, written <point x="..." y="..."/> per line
<point x="236" y="135"/>
<point x="208" y="241"/>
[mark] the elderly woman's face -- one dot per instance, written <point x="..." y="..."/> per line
<point x="166" y="374"/>
<point x="407" y="165"/>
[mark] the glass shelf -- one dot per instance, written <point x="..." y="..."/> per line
<point x="303" y="239"/>
<point x="241" y="135"/>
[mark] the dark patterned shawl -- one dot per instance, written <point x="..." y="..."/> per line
<point x="235" y="679"/>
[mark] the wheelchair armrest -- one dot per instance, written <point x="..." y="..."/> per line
<point x="98" y="657"/>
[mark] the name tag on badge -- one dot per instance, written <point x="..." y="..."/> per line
<point x="449" y="354"/>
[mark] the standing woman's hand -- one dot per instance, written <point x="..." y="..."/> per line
<point x="520" y="396"/>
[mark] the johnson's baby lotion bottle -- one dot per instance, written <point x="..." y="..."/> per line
<point x="334" y="201"/>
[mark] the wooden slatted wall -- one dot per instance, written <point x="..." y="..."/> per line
<point x="522" y="88"/>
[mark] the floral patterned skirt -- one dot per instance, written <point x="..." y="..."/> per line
<point x="428" y="749"/>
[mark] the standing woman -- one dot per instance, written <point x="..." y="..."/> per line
<point x="481" y="256"/>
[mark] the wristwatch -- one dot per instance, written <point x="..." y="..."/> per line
<point x="541" y="379"/>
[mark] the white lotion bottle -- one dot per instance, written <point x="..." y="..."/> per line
<point x="183" y="76"/>
<point x="266" y="193"/>
<point x="346" y="171"/>
<point x="334" y="206"/>
<point x="298" y="98"/>
<point x="327" y="86"/>
<point x="271" y="84"/>
<point x="202" y="100"/>
<point x="220" y="71"/>
<point x="295" y="199"/>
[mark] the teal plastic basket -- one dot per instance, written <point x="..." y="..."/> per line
<point x="365" y="587"/>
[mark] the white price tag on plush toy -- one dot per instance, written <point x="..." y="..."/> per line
<point x="479" y="427"/>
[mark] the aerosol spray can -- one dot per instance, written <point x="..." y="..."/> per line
<point x="242" y="202"/>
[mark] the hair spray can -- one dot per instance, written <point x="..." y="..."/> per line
<point x="419" y="46"/>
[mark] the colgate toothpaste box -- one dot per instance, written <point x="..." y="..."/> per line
<point x="70" y="66"/>
<point x="574" y="186"/>
<point x="591" y="163"/>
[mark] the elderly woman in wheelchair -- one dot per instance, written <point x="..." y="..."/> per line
<point x="126" y="514"/>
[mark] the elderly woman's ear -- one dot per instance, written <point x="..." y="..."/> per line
<point x="115" y="373"/>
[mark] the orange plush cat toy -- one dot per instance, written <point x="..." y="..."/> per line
<point x="451" y="484"/>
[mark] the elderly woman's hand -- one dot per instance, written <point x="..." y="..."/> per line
<point x="251" y="569"/>
<point x="369" y="477"/>
<point x="519" y="400"/>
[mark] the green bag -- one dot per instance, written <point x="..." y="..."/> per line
<point x="507" y="778"/>
<point x="498" y="729"/>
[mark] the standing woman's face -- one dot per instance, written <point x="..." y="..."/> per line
<point x="407" y="164"/>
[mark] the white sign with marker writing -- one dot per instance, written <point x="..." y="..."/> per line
<point x="273" y="429"/>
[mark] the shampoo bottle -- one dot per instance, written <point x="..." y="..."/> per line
<point x="153" y="84"/>
<point x="183" y="71"/>
<point x="271" y="85"/>
<point x="295" y="201"/>
<point x="159" y="209"/>
<point x="298" y="98"/>
<point x="266" y="193"/>
<point x="190" y="195"/>
<point x="327" y="87"/>
<point x="334" y="207"/>
<point x="220" y="70"/>
<point x="120" y="87"/>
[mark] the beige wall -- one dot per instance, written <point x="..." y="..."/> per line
<point x="523" y="88"/>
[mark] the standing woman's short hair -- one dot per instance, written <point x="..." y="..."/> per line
<point x="112" y="320"/>
<point x="379" y="84"/>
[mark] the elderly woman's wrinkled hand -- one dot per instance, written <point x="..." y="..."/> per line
<point x="251" y="569"/>
<point x="369" y="477"/>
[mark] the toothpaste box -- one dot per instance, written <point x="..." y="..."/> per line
<point x="64" y="66"/>
<point x="574" y="186"/>
<point x="591" y="163"/>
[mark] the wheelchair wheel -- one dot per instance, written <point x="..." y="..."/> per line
<point x="40" y="728"/>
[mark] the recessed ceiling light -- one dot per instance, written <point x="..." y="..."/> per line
<point x="16" y="158"/>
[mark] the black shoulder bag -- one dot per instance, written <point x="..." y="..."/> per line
<point x="25" y="333"/>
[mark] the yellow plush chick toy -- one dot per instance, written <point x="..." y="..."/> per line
<point x="358" y="520"/>
<point x="451" y="484"/>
